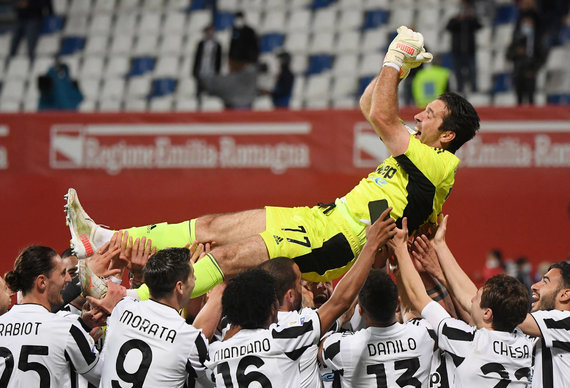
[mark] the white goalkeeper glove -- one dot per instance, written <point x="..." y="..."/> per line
<point x="406" y="45"/>
<point x="412" y="63"/>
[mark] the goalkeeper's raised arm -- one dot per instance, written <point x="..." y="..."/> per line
<point x="379" y="103"/>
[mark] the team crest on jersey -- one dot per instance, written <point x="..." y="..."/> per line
<point x="277" y="239"/>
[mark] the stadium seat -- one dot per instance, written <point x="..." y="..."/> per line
<point x="13" y="89"/>
<point x="558" y="99"/>
<point x="41" y="66"/>
<point x="177" y="5"/>
<point x="146" y="45"/>
<point x="503" y="36"/>
<point x="135" y="105"/>
<point x="212" y="104"/>
<point x="197" y="5"/>
<point x="375" y="4"/>
<point x="349" y="4"/>
<point x="501" y="83"/>
<point x="174" y="23"/>
<point x="48" y="45"/>
<point x="90" y="88"/>
<point x="316" y="103"/>
<point x="350" y="19"/>
<point x="483" y="37"/>
<point x="363" y="83"/>
<point x="170" y="44"/>
<point x="128" y="6"/>
<point x="125" y="24"/>
<point x="197" y="21"/>
<point x="8" y="106"/>
<point x="374" y="19"/>
<point x="60" y="7"/>
<point x="374" y="40"/>
<point x="348" y="42"/>
<point x="479" y="99"/>
<point x="52" y="24"/>
<point x="345" y="64"/>
<point x="97" y="45"/>
<point x="299" y="63"/>
<point x="317" y="4"/>
<point x="506" y="99"/>
<point x="72" y="62"/>
<point x="100" y="25"/>
<point x="186" y="87"/>
<point x="122" y="45"/>
<point x="82" y="7"/>
<point x="344" y="102"/>
<point x="319" y="63"/>
<point x="228" y="5"/>
<point x="117" y="66"/>
<point x="109" y="105"/>
<point x="370" y="64"/>
<point x="104" y="6"/>
<point x="76" y="25"/>
<point x="138" y="87"/>
<point x="322" y="42"/>
<point x="297" y="42"/>
<point x="154" y="6"/>
<point x="149" y="24"/>
<point x="166" y="67"/>
<point x="71" y="45"/>
<point x="318" y="86"/>
<point x="161" y="104"/>
<point x="324" y="19"/>
<point x="344" y="86"/>
<point x="185" y="104"/>
<point x="273" y="21"/>
<point x="262" y="103"/>
<point x="399" y="16"/>
<point x="17" y="68"/>
<point x="299" y="20"/>
<point x="505" y="14"/>
<point x="500" y="64"/>
<point x="92" y="67"/>
<point x="162" y="87"/>
<point x="141" y="65"/>
<point x="112" y="89"/>
<point x="558" y="58"/>
<point x="270" y="42"/>
<point x="557" y="81"/>
<point x="224" y="20"/>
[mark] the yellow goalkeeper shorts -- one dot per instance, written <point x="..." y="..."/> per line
<point x="324" y="243"/>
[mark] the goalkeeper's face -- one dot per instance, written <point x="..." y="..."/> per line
<point x="428" y="123"/>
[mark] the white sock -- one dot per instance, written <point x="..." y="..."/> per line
<point x="102" y="236"/>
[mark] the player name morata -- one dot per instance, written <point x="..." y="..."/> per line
<point x="147" y="327"/>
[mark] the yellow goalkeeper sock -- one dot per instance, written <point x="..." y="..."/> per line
<point x="208" y="275"/>
<point x="164" y="235"/>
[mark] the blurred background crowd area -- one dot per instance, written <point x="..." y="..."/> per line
<point x="143" y="55"/>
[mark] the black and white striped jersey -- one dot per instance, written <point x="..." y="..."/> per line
<point x="37" y="348"/>
<point x="481" y="357"/>
<point x="552" y="351"/>
<point x="399" y="355"/>
<point x="148" y="344"/>
<point x="265" y="357"/>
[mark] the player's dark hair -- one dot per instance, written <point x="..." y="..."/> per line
<point x="249" y="299"/>
<point x="68" y="252"/>
<point x="461" y="118"/>
<point x="379" y="296"/>
<point x="508" y="298"/>
<point x="281" y="268"/>
<point x="32" y="262"/>
<point x="164" y="269"/>
<point x="564" y="268"/>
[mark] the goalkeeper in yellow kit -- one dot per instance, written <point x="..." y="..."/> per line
<point x="325" y="240"/>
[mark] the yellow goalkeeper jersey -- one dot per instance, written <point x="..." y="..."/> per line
<point x="415" y="184"/>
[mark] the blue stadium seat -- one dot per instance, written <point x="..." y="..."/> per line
<point x="446" y="60"/>
<point x="505" y="14"/>
<point x="71" y="45"/>
<point x="321" y="3"/>
<point x="162" y="87"/>
<point x="319" y="63"/>
<point x="502" y="82"/>
<point x="197" y="4"/>
<point x="51" y="24"/>
<point x="374" y="19"/>
<point x="558" y="99"/>
<point x="270" y="42"/>
<point x="363" y="83"/>
<point x="224" y="20"/>
<point x="141" y="65"/>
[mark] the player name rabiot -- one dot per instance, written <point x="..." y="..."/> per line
<point x="391" y="347"/>
<point x="19" y="328"/>
<point x="147" y="327"/>
<point x="237" y="351"/>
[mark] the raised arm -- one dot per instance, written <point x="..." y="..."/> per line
<point x="459" y="284"/>
<point x="380" y="99"/>
<point x="345" y="291"/>
<point x="411" y="280"/>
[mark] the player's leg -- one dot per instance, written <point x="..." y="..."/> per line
<point x="227" y="261"/>
<point x="87" y="236"/>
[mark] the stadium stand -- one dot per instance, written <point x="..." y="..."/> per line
<point x="118" y="50"/>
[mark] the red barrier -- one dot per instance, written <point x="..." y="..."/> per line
<point x="512" y="188"/>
